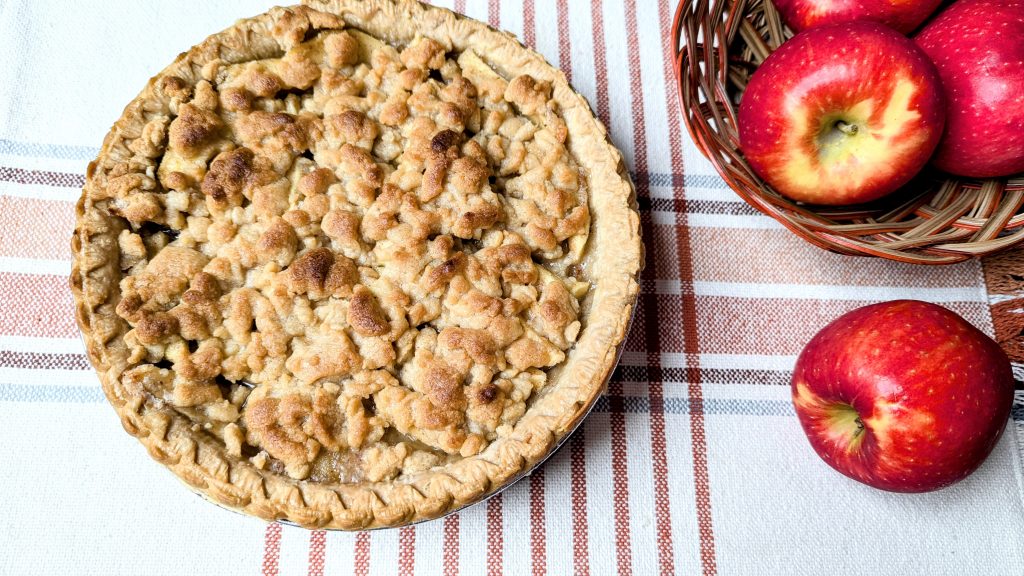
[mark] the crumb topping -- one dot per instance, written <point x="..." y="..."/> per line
<point x="352" y="261"/>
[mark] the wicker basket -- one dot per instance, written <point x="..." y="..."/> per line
<point x="936" y="219"/>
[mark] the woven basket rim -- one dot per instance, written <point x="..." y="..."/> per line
<point x="936" y="219"/>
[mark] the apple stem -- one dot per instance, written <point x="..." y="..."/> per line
<point x="846" y="128"/>
<point x="860" y="426"/>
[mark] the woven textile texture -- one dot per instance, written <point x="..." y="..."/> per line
<point x="692" y="463"/>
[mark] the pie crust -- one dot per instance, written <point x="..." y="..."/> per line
<point x="355" y="264"/>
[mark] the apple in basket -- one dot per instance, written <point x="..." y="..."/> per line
<point x="842" y="114"/>
<point x="978" y="47"/>
<point x="903" y="396"/>
<point x="902" y="15"/>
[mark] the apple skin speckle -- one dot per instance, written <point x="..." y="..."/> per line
<point x="978" y="48"/>
<point x="928" y="420"/>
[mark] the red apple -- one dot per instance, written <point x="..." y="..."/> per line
<point x="902" y="15"/>
<point x="978" y="47"/>
<point x="842" y="114"/>
<point x="904" y="396"/>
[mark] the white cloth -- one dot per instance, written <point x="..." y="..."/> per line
<point x="83" y="497"/>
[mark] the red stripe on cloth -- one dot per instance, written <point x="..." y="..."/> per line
<point x="564" y="40"/>
<point x="652" y="333"/>
<point x="494" y="13"/>
<point x="31" y="228"/>
<point x="577" y="444"/>
<point x="617" y="417"/>
<point x="44" y="177"/>
<point x="620" y="479"/>
<point x="529" y="24"/>
<point x="406" y="550"/>
<point x="361" y="554"/>
<point x="659" y="465"/>
<point x="600" y="60"/>
<point x="36" y="305"/>
<point x="580" y="538"/>
<point x="317" y="547"/>
<point x="43" y="360"/>
<point x="495" y="536"/>
<point x="451" y="545"/>
<point x="271" y="549"/>
<point x="691" y="335"/>
<point x="495" y="528"/>
<point x="538" y="531"/>
<point x="702" y="483"/>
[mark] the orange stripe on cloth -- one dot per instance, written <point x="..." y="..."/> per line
<point x="719" y="260"/>
<point x="32" y="228"/>
<point x="777" y="326"/>
<point x="36" y="305"/>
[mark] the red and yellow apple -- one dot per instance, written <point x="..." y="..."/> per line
<point x="901" y="15"/>
<point x="904" y="396"/>
<point x="842" y="114"/>
<point x="978" y="47"/>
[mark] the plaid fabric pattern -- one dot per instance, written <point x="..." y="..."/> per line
<point x="693" y="462"/>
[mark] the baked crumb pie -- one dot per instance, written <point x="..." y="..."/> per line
<point x="355" y="263"/>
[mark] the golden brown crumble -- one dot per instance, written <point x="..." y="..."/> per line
<point x="350" y="262"/>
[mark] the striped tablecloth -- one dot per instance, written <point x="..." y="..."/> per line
<point x="692" y="463"/>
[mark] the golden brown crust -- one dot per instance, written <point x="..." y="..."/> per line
<point x="200" y="222"/>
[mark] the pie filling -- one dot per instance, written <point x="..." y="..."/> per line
<point x="352" y="262"/>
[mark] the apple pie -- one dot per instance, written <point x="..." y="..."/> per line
<point x="355" y="263"/>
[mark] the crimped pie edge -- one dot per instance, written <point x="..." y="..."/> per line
<point x="615" y="256"/>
